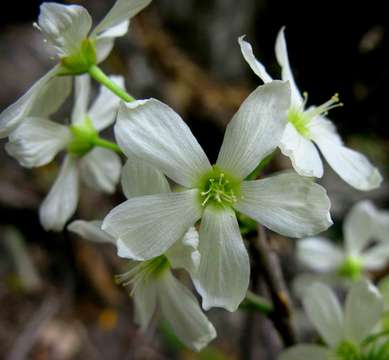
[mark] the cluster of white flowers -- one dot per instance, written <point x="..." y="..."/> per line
<point x="155" y="228"/>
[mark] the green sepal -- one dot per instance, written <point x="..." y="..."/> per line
<point x="84" y="137"/>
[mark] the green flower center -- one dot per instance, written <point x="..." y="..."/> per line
<point x="84" y="137"/>
<point x="219" y="188"/>
<point x="351" y="267"/>
<point x="346" y="350"/>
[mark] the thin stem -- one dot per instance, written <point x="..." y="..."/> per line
<point x="96" y="73"/>
<point x="107" y="144"/>
<point x="257" y="303"/>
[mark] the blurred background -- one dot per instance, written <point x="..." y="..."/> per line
<point x="57" y="295"/>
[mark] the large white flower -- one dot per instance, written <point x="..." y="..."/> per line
<point x="68" y="29"/>
<point x="362" y="226"/>
<point x="38" y="140"/>
<point x="149" y="225"/>
<point x="309" y="127"/>
<point x="342" y="331"/>
<point x="152" y="282"/>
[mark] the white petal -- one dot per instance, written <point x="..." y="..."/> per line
<point x="153" y="132"/>
<point x="82" y="88"/>
<point x="256" y="129"/>
<point x="256" y="66"/>
<point x="353" y="167"/>
<point x="100" y="169"/>
<point x="180" y="308"/>
<point x="305" y="352"/>
<point x="319" y="253"/>
<point x="287" y="75"/>
<point x="363" y="309"/>
<point x="358" y="227"/>
<point x="224" y="271"/>
<point x="90" y="230"/>
<point x="145" y="300"/>
<point x="302" y="152"/>
<point x="149" y="225"/>
<point x="11" y="117"/>
<point x="37" y="141"/>
<point x="104" y="109"/>
<point x="121" y="11"/>
<point x="61" y="202"/>
<point x="376" y="257"/>
<point x="323" y="309"/>
<point x="288" y="204"/>
<point x="64" y="26"/>
<point x="184" y="253"/>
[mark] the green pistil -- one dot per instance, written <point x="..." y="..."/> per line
<point x="351" y="268"/>
<point x="219" y="188"/>
<point x="84" y="137"/>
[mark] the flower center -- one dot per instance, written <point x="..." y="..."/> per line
<point x="219" y="188"/>
<point x="84" y="136"/>
<point x="351" y="267"/>
<point x="345" y="351"/>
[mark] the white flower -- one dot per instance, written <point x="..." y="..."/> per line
<point x="152" y="283"/>
<point x="67" y="29"/>
<point x="309" y="127"/>
<point x="361" y="226"/>
<point x="341" y="331"/>
<point x="149" y="225"/>
<point x="38" y="140"/>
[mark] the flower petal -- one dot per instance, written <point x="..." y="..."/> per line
<point x="363" y="309"/>
<point x="287" y="75"/>
<point x="37" y="141"/>
<point x="149" y="225"/>
<point x="223" y="275"/>
<point x="139" y="178"/>
<point x="153" y="132"/>
<point x="376" y="257"/>
<point x="353" y="167"/>
<point x="91" y="230"/>
<point x="323" y="309"/>
<point x="121" y="11"/>
<point x="184" y="254"/>
<point x="61" y="201"/>
<point x="255" y="130"/>
<point x="145" y="300"/>
<point x="288" y="204"/>
<point x="31" y="101"/>
<point x="256" y="66"/>
<point x="358" y="227"/>
<point x="304" y="352"/>
<point x="381" y="225"/>
<point x="180" y="308"/>
<point x="104" y="109"/>
<point x="82" y="88"/>
<point x="64" y="26"/>
<point x="319" y="253"/>
<point x="302" y="152"/>
<point x="100" y="169"/>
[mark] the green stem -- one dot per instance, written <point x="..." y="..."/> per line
<point x="107" y="144"/>
<point x="96" y="73"/>
<point x="257" y="303"/>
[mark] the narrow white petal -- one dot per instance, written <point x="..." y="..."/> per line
<point x="223" y="275"/>
<point x="153" y="132"/>
<point x="64" y="26"/>
<point x="305" y="352"/>
<point x="90" y="230"/>
<point x="358" y="227"/>
<point x="145" y="300"/>
<point x="323" y="309"/>
<point x="287" y="75"/>
<point x="256" y="66"/>
<point x="82" y="87"/>
<point x="61" y="201"/>
<point x="256" y="129"/>
<point x="353" y="167"/>
<point x="100" y="169"/>
<point x="104" y="109"/>
<point x="11" y="117"/>
<point x="180" y="308"/>
<point x="376" y="257"/>
<point x="121" y="11"/>
<point x="37" y="141"/>
<point x="363" y="309"/>
<point x="319" y="254"/>
<point x="184" y="252"/>
<point x="302" y="152"/>
<point x="149" y="225"/>
<point x="288" y="204"/>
